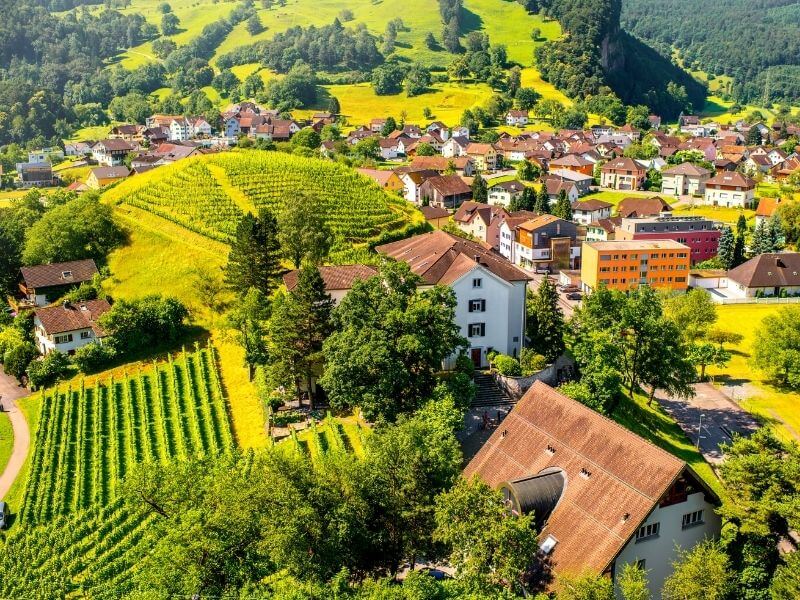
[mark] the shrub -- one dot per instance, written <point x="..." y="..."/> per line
<point x="531" y="362"/>
<point x="48" y="369"/>
<point x="18" y="357"/>
<point x="144" y="323"/>
<point x="465" y="365"/>
<point x="93" y="357"/>
<point x="507" y="365"/>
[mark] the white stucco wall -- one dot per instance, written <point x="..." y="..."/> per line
<point x="660" y="551"/>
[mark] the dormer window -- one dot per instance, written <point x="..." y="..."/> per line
<point x="66" y="274"/>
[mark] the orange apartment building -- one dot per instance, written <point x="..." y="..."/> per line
<point x="624" y="265"/>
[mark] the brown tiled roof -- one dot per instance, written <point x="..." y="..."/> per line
<point x="510" y="186"/>
<point x="642" y="207"/>
<point x="52" y="275"/>
<point x="537" y="222"/>
<point x="614" y="478"/>
<point x="469" y="208"/>
<point x="686" y="168"/>
<point x="380" y="176"/>
<point x="590" y="204"/>
<point x="731" y="178"/>
<point x="71" y="317"/>
<point x="110" y="172"/>
<point x="623" y="164"/>
<point x="476" y="148"/>
<point x="768" y="270"/>
<point x="441" y="257"/>
<point x="570" y="160"/>
<point x="337" y="277"/>
<point x="515" y="219"/>
<point x="554" y="185"/>
<point x="767" y="206"/>
<point x="608" y="225"/>
<point x="434" y="212"/>
<point x="449" y="185"/>
<point x="116" y="145"/>
<point x="421" y="176"/>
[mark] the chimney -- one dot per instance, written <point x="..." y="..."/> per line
<point x="67" y="304"/>
<point x="477" y="258"/>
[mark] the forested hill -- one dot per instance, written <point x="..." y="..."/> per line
<point x="595" y="52"/>
<point x="744" y="39"/>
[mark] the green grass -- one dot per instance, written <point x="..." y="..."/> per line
<point x="31" y="409"/>
<point x="654" y="424"/>
<point x="95" y="132"/>
<point x="771" y="403"/>
<point x="331" y="435"/>
<point x="717" y="213"/>
<point x="6" y="440"/>
<point x="614" y="197"/>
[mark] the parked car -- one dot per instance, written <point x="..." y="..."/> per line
<point x="437" y="574"/>
<point x="4" y="514"/>
<point x="574" y="296"/>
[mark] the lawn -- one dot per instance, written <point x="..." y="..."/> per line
<point x="6" y="440"/>
<point x="656" y="426"/>
<point x="30" y="407"/>
<point x="95" y="132"/>
<point x="615" y="197"/>
<point x="746" y="384"/>
<point x="717" y="213"/>
<point x="161" y="257"/>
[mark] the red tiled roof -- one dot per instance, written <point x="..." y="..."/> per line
<point x="71" y="317"/>
<point x="337" y="277"/>
<point x="53" y="275"/>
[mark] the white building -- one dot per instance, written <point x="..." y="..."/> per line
<point x="179" y="130"/>
<point x="48" y="155"/>
<point x="730" y="189"/>
<point x="591" y="210"/>
<point x="504" y="192"/>
<point x="455" y="146"/>
<point x="199" y="127"/>
<point x="685" y="179"/>
<point x="602" y="496"/>
<point x="490" y="292"/>
<point x="517" y="118"/>
<point x="67" y="327"/>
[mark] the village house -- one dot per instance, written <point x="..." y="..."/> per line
<point x="412" y="181"/>
<point x="490" y="292"/>
<point x="602" y="497"/>
<point x="504" y="192"/>
<point x="435" y="216"/>
<point x="484" y="155"/>
<point x="555" y="185"/>
<point x="603" y="230"/>
<point x="585" y="212"/>
<point x="103" y="176"/>
<point x="698" y="233"/>
<point x="517" y="118"/>
<point x="730" y="189"/>
<point x="35" y="175"/>
<point x="545" y="243"/>
<point x="766" y="208"/>
<point x="199" y="127"/>
<point x="127" y="132"/>
<point x="502" y="231"/>
<point x="625" y="265"/>
<point x="455" y="146"/>
<point x="338" y="279"/>
<point x="386" y="179"/>
<point x="42" y="284"/>
<point x="69" y="326"/>
<point x="112" y="153"/>
<point x="462" y="165"/>
<point x="622" y="174"/>
<point x="375" y="125"/>
<point x="685" y="179"/>
<point x="643" y="207"/>
<point x="390" y="149"/>
<point x="583" y="183"/>
<point x="78" y="149"/>
<point x="475" y="219"/>
<point x="573" y="162"/>
<point x="765" y="275"/>
<point x="48" y="155"/>
<point x="445" y="191"/>
<point x="756" y="164"/>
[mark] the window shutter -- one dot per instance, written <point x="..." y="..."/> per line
<point x="483" y="329"/>
<point x="470" y="306"/>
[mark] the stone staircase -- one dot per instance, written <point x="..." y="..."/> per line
<point x="489" y="393"/>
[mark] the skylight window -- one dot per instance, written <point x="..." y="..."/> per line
<point x="548" y="544"/>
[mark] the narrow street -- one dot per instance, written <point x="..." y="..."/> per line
<point x="10" y="391"/>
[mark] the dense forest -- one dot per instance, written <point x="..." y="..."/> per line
<point x="740" y="38"/>
<point x="595" y="53"/>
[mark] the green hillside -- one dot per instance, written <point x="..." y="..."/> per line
<point x="209" y="194"/>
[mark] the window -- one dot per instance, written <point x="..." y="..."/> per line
<point x="63" y="339"/>
<point x="85" y="335"/>
<point x="691" y="519"/>
<point x="641" y="564"/>
<point x="477" y="329"/>
<point x="477" y="282"/>
<point x="648" y="531"/>
<point x="548" y="544"/>
<point x="66" y="274"/>
<point x="477" y="306"/>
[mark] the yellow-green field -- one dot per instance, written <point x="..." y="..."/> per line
<point x="772" y="404"/>
<point x="161" y="257"/>
<point x="6" y="440"/>
<point x="717" y="213"/>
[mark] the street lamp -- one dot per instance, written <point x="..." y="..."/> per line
<point x="700" y="430"/>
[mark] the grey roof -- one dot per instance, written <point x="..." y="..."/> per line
<point x="537" y="494"/>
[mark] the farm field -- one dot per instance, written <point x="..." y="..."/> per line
<point x="331" y="435"/>
<point x="747" y="385"/>
<point x="89" y="437"/>
<point x="208" y="195"/>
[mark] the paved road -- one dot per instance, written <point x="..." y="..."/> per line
<point x="721" y="418"/>
<point x="10" y="391"/>
<point x="567" y="306"/>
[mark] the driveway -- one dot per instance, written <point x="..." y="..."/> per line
<point x="10" y="391"/>
<point x="721" y="418"/>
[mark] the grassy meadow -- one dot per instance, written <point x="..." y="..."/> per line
<point x="772" y="404"/>
<point x="6" y="440"/>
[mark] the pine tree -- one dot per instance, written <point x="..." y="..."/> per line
<point x="741" y="226"/>
<point x="726" y="248"/>
<point x="761" y="243"/>
<point x="738" y="251"/>
<point x="563" y="209"/>
<point x="542" y="204"/>
<point x="480" y="192"/>
<point x="777" y="236"/>
<point x="255" y="257"/>
<point x="528" y="200"/>
<point x="545" y="321"/>
<point x="300" y="323"/>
